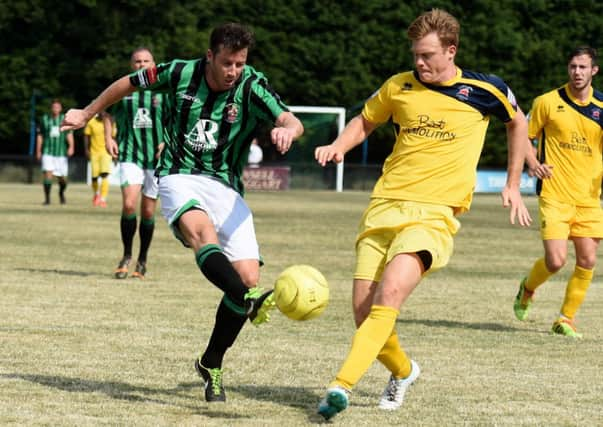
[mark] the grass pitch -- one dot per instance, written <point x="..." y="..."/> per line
<point x="81" y="348"/>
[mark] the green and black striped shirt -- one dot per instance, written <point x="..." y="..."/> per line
<point x="138" y="118"/>
<point x="209" y="132"/>
<point x="54" y="141"/>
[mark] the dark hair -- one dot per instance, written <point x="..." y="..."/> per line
<point x="231" y="36"/>
<point x="584" y="50"/>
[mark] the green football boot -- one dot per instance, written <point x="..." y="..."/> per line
<point x="523" y="301"/>
<point x="214" y="390"/>
<point x="258" y="305"/>
<point x="564" y="326"/>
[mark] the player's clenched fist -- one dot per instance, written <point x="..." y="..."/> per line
<point x="282" y="138"/>
<point x="75" y="119"/>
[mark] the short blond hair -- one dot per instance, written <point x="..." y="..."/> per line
<point x="436" y="21"/>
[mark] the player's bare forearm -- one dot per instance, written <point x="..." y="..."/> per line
<point x="517" y="133"/>
<point x="287" y="129"/>
<point x="70" y="145"/>
<point x="535" y="168"/>
<point x="76" y="119"/>
<point x="355" y="132"/>
<point x="39" y="142"/>
<point x="113" y="93"/>
<point x="160" y="148"/>
<point x="112" y="148"/>
<point x="107" y="127"/>
<point x="289" y="121"/>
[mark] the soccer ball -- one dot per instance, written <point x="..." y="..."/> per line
<point x="301" y="292"/>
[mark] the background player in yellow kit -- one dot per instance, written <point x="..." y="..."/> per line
<point x="568" y="123"/>
<point x="100" y="159"/>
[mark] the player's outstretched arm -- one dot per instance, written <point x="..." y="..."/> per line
<point x="287" y="129"/>
<point x="517" y="135"/>
<point x="355" y="132"/>
<point x="77" y="119"/>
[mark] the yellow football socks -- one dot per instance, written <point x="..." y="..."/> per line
<point x="95" y="185"/>
<point x="366" y="345"/>
<point x="394" y="358"/>
<point x="104" y="188"/>
<point x="538" y="275"/>
<point x="576" y="291"/>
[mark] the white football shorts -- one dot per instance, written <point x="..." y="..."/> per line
<point x="58" y="165"/>
<point x="225" y="207"/>
<point x="132" y="174"/>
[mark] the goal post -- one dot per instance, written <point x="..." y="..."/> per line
<point x="339" y="112"/>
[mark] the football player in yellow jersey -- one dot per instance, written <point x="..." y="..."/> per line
<point x="440" y="114"/>
<point x="100" y="159"/>
<point x="568" y="123"/>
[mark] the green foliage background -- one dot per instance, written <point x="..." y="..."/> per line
<point x="328" y="53"/>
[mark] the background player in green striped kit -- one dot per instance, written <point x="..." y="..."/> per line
<point x="139" y="141"/>
<point x="216" y="104"/>
<point x="52" y="148"/>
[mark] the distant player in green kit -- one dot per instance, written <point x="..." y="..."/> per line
<point x="139" y="139"/>
<point x="53" y="146"/>
<point x="216" y="103"/>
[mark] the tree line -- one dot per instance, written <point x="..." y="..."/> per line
<point x="327" y="53"/>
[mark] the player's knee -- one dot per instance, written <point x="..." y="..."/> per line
<point x="554" y="264"/>
<point x="587" y="262"/>
<point x="391" y="296"/>
<point x="147" y="211"/>
<point x="129" y="206"/>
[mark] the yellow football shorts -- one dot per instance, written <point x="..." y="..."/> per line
<point x="391" y="227"/>
<point x="560" y="220"/>
<point x="100" y="163"/>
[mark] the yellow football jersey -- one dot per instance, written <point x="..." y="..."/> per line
<point x="96" y="131"/>
<point x="570" y="135"/>
<point x="440" y="132"/>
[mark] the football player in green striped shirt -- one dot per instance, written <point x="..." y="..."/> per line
<point x="216" y="104"/>
<point x="53" y="146"/>
<point x="139" y="139"/>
